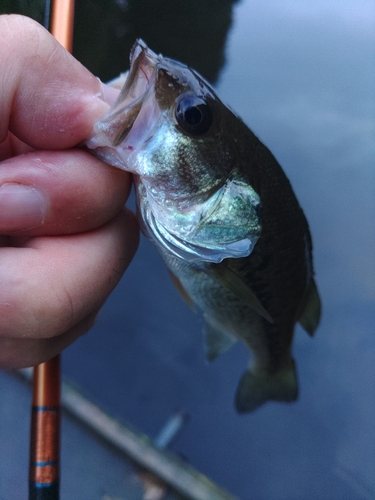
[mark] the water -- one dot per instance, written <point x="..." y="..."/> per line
<point x="301" y="75"/>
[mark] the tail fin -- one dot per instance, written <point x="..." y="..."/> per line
<point x="255" y="389"/>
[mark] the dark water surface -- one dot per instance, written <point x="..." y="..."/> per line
<point x="301" y="75"/>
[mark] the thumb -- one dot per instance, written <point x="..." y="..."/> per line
<point x="49" y="100"/>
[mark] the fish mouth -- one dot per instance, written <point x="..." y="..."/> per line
<point x="138" y="87"/>
<point x="124" y="128"/>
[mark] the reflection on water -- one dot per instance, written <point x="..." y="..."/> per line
<point x="193" y="32"/>
<point x="35" y="9"/>
<point x="301" y="75"/>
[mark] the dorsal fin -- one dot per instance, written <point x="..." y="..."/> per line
<point x="310" y="316"/>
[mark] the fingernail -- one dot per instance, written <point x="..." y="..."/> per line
<point x="21" y="207"/>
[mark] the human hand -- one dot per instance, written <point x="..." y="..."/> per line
<point x="65" y="239"/>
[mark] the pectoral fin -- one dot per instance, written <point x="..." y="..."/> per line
<point x="222" y="274"/>
<point x="217" y="342"/>
<point x="310" y="316"/>
<point x="177" y="283"/>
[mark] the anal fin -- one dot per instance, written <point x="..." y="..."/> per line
<point x="217" y="342"/>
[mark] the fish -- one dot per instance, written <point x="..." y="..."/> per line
<point x="222" y="214"/>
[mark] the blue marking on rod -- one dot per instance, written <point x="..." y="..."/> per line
<point x="44" y="485"/>
<point x="45" y="408"/>
<point x="44" y="464"/>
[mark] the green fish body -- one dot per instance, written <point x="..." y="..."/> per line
<point x="222" y="214"/>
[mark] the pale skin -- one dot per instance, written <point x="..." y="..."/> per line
<point x="65" y="236"/>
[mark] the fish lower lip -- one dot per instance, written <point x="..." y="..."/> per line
<point x="127" y="124"/>
<point x="141" y="74"/>
<point x="113" y="129"/>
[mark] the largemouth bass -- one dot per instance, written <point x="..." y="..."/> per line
<point x="222" y="214"/>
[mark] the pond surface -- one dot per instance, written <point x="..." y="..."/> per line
<point x="301" y="74"/>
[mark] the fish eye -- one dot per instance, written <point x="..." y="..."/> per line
<point x="193" y="114"/>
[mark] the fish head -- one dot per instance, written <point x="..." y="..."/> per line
<point x="169" y="128"/>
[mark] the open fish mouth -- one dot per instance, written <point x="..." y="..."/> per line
<point x="124" y="129"/>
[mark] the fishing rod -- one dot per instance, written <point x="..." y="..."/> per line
<point x="44" y="467"/>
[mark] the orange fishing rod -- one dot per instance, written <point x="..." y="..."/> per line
<point x="44" y="468"/>
<point x="63" y="22"/>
